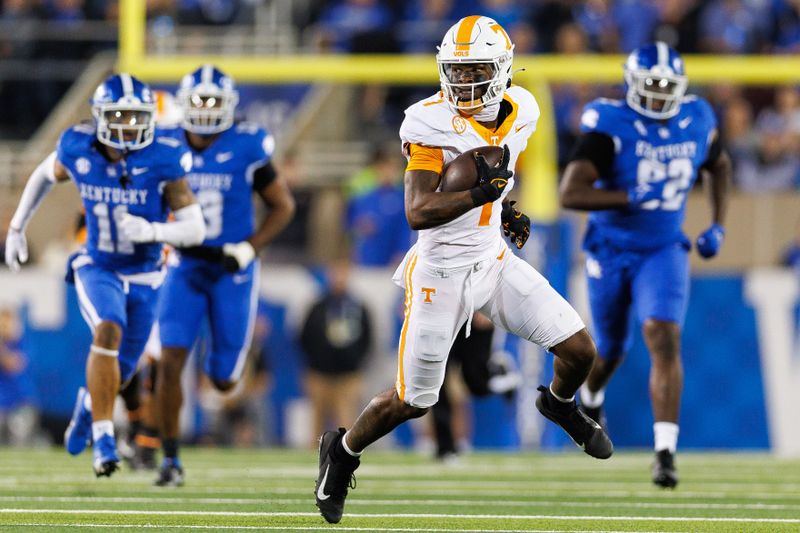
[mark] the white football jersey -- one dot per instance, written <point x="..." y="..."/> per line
<point x="431" y="122"/>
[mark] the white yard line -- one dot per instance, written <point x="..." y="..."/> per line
<point x="402" y="502"/>
<point x="322" y="528"/>
<point x="407" y="515"/>
<point x="479" y="485"/>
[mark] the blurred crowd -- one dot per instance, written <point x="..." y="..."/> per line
<point x="761" y="125"/>
<point x="536" y="26"/>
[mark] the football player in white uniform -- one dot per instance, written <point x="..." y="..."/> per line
<point x="461" y="262"/>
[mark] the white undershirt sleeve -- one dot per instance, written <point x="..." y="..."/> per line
<point x="188" y="228"/>
<point x="39" y="184"/>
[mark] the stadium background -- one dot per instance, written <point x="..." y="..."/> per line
<point x="331" y="79"/>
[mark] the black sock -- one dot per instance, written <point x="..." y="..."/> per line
<point x="170" y="447"/>
<point x="340" y="454"/>
<point x="134" y="429"/>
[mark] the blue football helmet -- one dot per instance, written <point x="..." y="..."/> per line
<point x="125" y="112"/>
<point x="655" y="81"/>
<point x="208" y="99"/>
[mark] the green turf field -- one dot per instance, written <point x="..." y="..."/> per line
<point x="272" y="490"/>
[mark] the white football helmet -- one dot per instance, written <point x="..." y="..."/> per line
<point x="475" y="40"/>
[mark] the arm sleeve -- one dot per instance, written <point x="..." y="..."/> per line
<point x="188" y="228"/>
<point x="714" y="152"/>
<point x="39" y="184"/>
<point x="597" y="148"/>
<point x="264" y="175"/>
<point x="425" y="158"/>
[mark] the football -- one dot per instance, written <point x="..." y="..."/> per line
<point x="461" y="174"/>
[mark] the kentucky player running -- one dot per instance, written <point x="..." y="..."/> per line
<point x="218" y="280"/>
<point x="633" y="168"/>
<point x="127" y="175"/>
<point x="461" y="263"/>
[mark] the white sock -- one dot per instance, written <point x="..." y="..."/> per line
<point x="666" y="436"/>
<point x="102" y="427"/>
<point x="347" y="448"/>
<point x="559" y="398"/>
<point x="87" y="402"/>
<point x="592" y="399"/>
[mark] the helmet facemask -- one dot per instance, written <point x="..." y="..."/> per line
<point x="655" y="94"/>
<point x="474" y="95"/>
<point x="125" y="126"/>
<point x="208" y="109"/>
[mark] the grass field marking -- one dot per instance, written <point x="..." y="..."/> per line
<point x="412" y="515"/>
<point x="326" y="528"/>
<point x="655" y="495"/>
<point x="400" y="502"/>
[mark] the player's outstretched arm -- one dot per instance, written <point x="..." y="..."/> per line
<point x="188" y="228"/>
<point x="426" y="208"/>
<point x="39" y="184"/>
<point x="717" y="172"/>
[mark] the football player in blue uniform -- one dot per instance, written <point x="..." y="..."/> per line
<point x="632" y="169"/>
<point x="129" y="177"/>
<point x="218" y="280"/>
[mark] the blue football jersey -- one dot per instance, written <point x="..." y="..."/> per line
<point x="649" y="150"/>
<point x="222" y="180"/>
<point x="106" y="200"/>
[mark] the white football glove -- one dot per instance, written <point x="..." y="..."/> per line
<point x="237" y="255"/>
<point x="16" y="249"/>
<point x="136" y="229"/>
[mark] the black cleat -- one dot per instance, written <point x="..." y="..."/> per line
<point x="584" y="431"/>
<point x="335" y="477"/>
<point x="170" y="474"/>
<point x="664" y="472"/>
<point x="597" y="414"/>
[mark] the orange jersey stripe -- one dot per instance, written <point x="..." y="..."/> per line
<point x="464" y="34"/>
<point x="486" y="214"/>
<point x="425" y="158"/>
<point x="401" y="385"/>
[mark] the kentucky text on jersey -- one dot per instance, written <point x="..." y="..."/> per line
<point x="117" y="195"/>
<point x="220" y="182"/>
<point x="669" y="151"/>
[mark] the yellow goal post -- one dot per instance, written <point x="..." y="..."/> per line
<point x="539" y="190"/>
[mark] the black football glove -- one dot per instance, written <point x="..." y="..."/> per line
<point x="516" y="225"/>
<point x="491" y="180"/>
